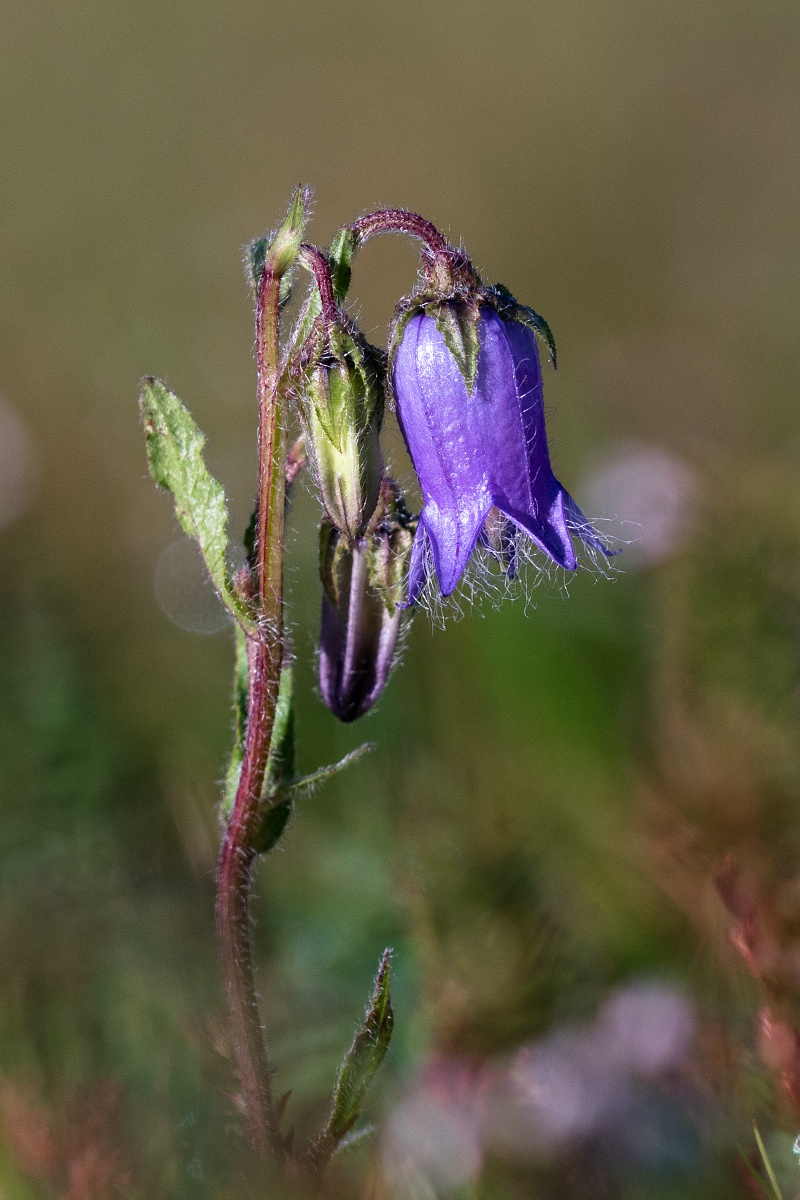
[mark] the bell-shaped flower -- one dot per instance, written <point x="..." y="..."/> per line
<point x="481" y="454"/>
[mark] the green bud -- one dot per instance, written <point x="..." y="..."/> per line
<point x="279" y="249"/>
<point x="342" y="399"/>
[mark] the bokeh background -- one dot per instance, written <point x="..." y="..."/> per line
<point x="579" y="827"/>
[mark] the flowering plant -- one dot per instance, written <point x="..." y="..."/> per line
<point x="463" y="368"/>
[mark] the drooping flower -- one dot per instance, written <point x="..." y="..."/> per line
<point x="481" y="453"/>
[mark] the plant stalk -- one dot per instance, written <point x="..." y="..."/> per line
<point x="265" y="656"/>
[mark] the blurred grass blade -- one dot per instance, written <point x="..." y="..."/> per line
<point x="358" y="1069"/>
<point x="767" y="1164"/>
<point x="175" y="454"/>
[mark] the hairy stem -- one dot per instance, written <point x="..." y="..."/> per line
<point x="316" y="262"/>
<point x="265" y="656"/>
<point x="397" y="220"/>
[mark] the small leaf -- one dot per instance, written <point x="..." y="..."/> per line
<point x="307" y="783"/>
<point x="457" y="322"/>
<point x="277" y="809"/>
<point x="358" y="1069"/>
<point x="241" y="684"/>
<point x="175" y="454"/>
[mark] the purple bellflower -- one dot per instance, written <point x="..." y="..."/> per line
<point x="481" y="454"/>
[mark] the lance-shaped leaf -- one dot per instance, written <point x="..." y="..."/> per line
<point x="358" y="1069"/>
<point x="175" y="454"/>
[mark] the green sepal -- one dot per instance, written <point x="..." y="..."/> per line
<point x="358" y="1068"/>
<point x="241" y="686"/>
<point x="281" y="247"/>
<point x="175" y="456"/>
<point x="457" y="322"/>
<point x="511" y="310"/>
<point x="340" y="258"/>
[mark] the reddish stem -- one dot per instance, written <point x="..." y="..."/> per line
<point x="265" y="653"/>
<point x="397" y="220"/>
<point x="319" y="266"/>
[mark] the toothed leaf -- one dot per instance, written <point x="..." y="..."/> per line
<point x="175" y="454"/>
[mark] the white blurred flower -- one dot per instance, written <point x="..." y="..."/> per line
<point x="434" y="1138"/>
<point x="566" y="1084"/>
<point x="647" y="1026"/>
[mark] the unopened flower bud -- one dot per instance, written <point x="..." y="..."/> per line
<point x="341" y="394"/>
<point x="361" y="615"/>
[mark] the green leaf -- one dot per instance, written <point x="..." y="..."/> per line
<point x="241" y="685"/>
<point x="281" y="247"/>
<point x="273" y="824"/>
<point x="457" y="322"/>
<point x="358" y="1069"/>
<point x="307" y="783"/>
<point x="175" y="454"/>
<point x="280" y="765"/>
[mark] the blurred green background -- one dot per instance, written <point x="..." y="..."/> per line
<point x="555" y="786"/>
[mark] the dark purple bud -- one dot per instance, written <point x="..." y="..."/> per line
<point x="361" y="606"/>
<point x="482" y="452"/>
